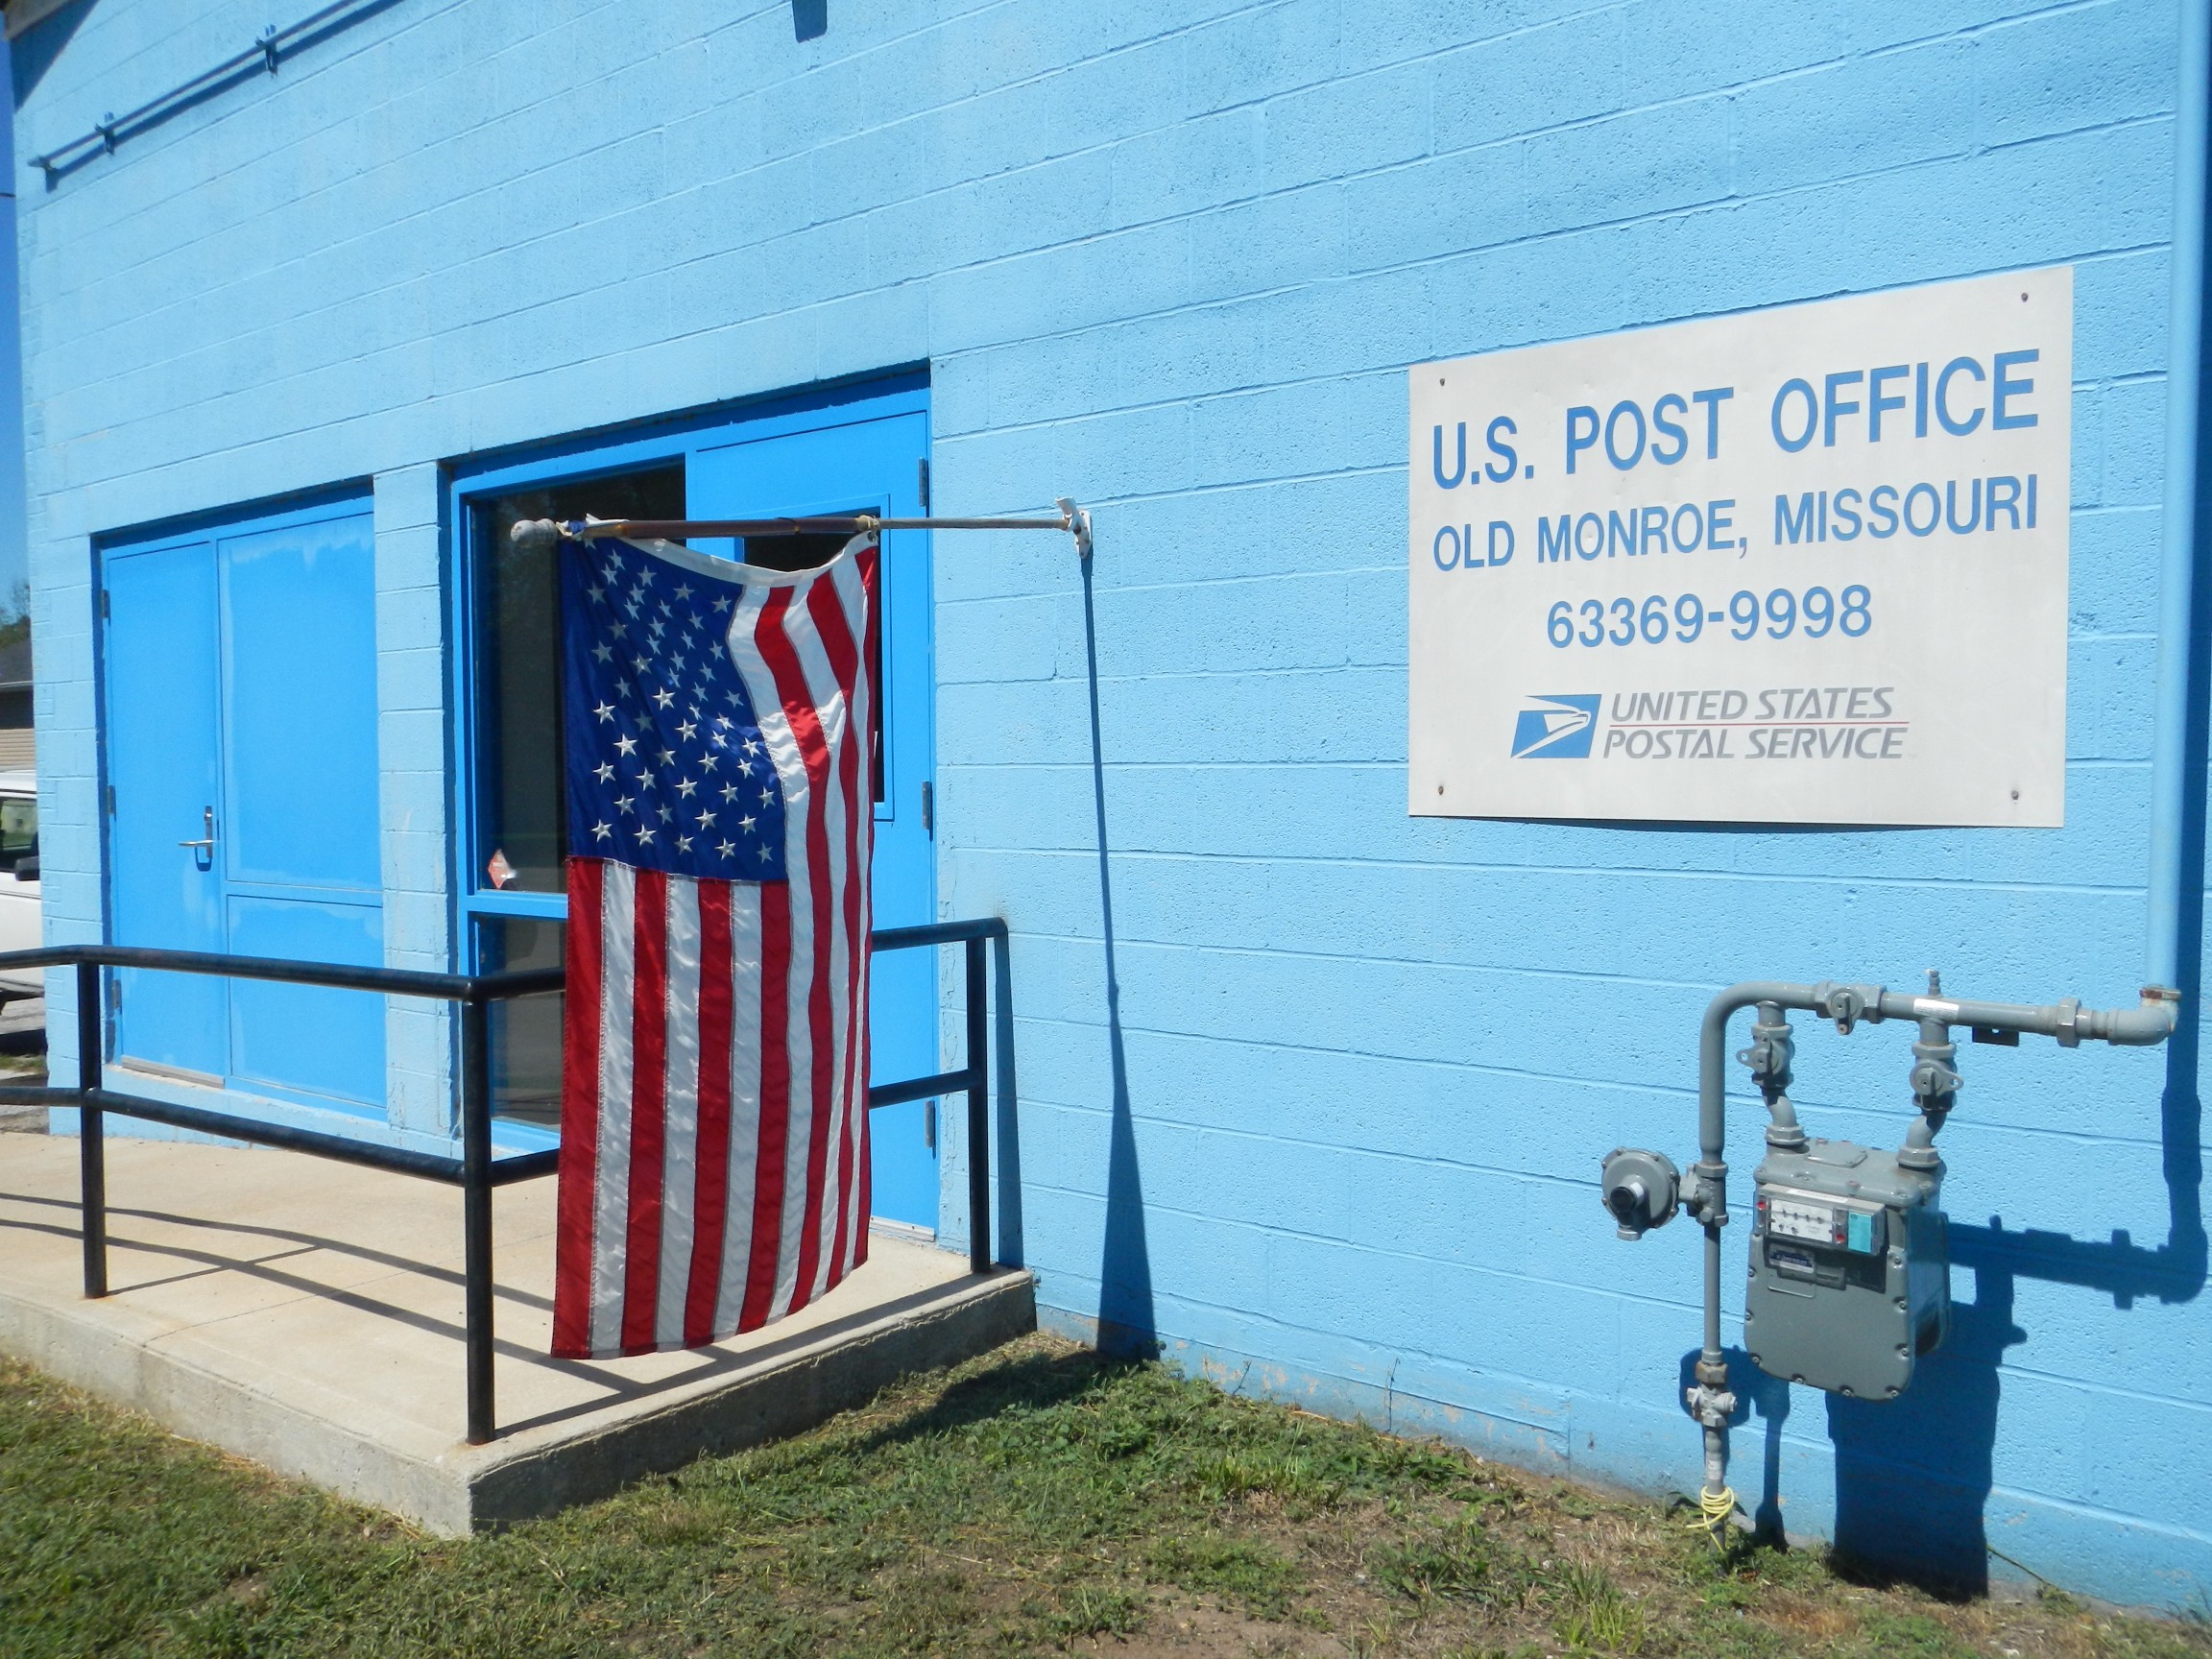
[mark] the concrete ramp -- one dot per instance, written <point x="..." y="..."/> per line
<point x="308" y="1315"/>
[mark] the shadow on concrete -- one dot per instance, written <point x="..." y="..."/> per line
<point x="1126" y="1323"/>
<point x="140" y="1264"/>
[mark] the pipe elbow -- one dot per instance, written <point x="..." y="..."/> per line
<point x="2145" y="1025"/>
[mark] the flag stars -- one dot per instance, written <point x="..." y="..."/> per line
<point x="667" y="757"/>
<point x="683" y="843"/>
<point x="729" y="791"/>
<point x="668" y="814"/>
<point x="722" y="605"/>
<point x="686" y="731"/>
<point x="626" y="745"/>
<point x="684" y="787"/>
<point x="727" y="849"/>
<point x="706" y="819"/>
<point x="645" y="833"/>
<point x="626" y="805"/>
<point x="604" y="772"/>
<point x="603" y="651"/>
<point x="664" y="697"/>
<point x="605" y="712"/>
<point x="603" y="831"/>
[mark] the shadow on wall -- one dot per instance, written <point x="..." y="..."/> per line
<point x="1126" y="1323"/>
<point x="810" y="19"/>
<point x="1913" y="1475"/>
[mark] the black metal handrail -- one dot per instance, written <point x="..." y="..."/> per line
<point x="475" y="1172"/>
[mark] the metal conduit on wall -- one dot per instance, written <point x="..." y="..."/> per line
<point x="2182" y="529"/>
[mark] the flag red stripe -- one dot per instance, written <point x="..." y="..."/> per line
<point x="871" y="562"/>
<point x="648" y="1106"/>
<point x="579" y="1117"/>
<point x="827" y="609"/>
<point x="712" y="1207"/>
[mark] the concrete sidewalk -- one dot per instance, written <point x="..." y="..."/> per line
<point x="308" y="1315"/>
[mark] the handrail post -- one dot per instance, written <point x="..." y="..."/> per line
<point x="477" y="1213"/>
<point x="91" y="1146"/>
<point x="979" y="1251"/>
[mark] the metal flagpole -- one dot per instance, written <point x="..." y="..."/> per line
<point x="542" y="533"/>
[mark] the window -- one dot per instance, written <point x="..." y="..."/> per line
<point x="18" y="830"/>
<point x="520" y="819"/>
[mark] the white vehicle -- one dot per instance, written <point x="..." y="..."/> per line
<point x="19" y="926"/>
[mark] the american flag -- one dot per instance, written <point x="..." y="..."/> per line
<point x="715" y="1068"/>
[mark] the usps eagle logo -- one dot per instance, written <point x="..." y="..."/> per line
<point x="1556" y="728"/>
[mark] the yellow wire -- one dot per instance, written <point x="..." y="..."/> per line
<point x="1715" y="1508"/>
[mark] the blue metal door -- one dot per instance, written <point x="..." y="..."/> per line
<point x="241" y="751"/>
<point x="164" y="790"/>
<point x="873" y="467"/>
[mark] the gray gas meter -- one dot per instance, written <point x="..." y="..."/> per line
<point x="1850" y="1271"/>
<point x="1850" y="1267"/>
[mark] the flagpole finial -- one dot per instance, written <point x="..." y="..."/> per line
<point x="534" y="534"/>
<point x="1078" y="524"/>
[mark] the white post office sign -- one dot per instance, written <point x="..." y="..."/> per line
<point x="1804" y="566"/>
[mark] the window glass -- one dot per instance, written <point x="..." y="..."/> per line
<point x="525" y="1030"/>
<point x="19" y="830"/>
<point x="522" y="824"/>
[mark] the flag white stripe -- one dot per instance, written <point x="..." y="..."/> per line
<point x="611" y="1206"/>
<point x="680" y="1135"/>
<point x="744" y="1099"/>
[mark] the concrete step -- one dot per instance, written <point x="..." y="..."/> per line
<point x="308" y="1315"/>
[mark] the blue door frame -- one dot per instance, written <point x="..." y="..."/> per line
<point x="860" y="447"/>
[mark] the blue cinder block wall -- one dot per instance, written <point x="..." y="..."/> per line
<point x="1320" y="1113"/>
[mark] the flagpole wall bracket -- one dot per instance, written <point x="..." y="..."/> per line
<point x="1078" y="526"/>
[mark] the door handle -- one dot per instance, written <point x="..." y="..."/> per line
<point x="206" y="843"/>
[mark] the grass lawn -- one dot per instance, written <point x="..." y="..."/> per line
<point x="1036" y="1500"/>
